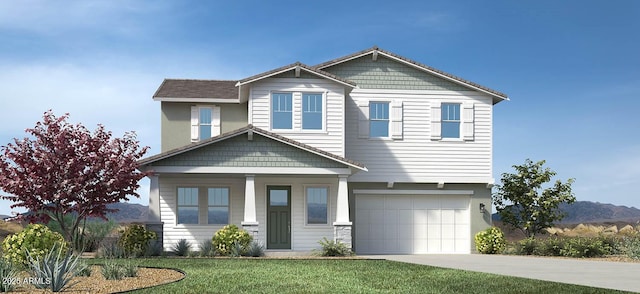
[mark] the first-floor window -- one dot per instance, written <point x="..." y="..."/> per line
<point x="317" y="205"/>
<point x="187" y="205"/>
<point x="218" y="206"/>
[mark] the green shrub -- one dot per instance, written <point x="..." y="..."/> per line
<point x="526" y="246"/>
<point x="109" y="248"/>
<point x="237" y="250"/>
<point x="55" y="269"/>
<point x="490" y="241"/>
<point x="332" y="248"/>
<point x="154" y="248"/>
<point x="224" y="239"/>
<point x="629" y="246"/>
<point x="95" y="232"/>
<point x="112" y="271"/>
<point x="83" y="269"/>
<point x="182" y="248"/>
<point x="549" y="247"/>
<point x="584" y="247"/>
<point x="129" y="270"/>
<point x="135" y="239"/>
<point x="255" y="249"/>
<point x="37" y="239"/>
<point x="206" y="249"/>
<point x="8" y="273"/>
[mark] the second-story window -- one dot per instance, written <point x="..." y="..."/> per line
<point x="281" y="111"/>
<point x="311" y="111"/>
<point x="205" y="123"/>
<point x="378" y="119"/>
<point x="450" y="120"/>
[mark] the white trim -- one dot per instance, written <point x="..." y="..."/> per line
<point x="253" y="170"/>
<point x="412" y="192"/>
<point x="196" y="100"/>
<point x="292" y="68"/>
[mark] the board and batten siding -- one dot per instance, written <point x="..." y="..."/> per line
<point x="304" y="237"/>
<point x="416" y="157"/>
<point x="330" y="139"/>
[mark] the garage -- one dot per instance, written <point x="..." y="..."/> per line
<point x="411" y="224"/>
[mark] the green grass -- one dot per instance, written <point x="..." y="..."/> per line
<point x="339" y="276"/>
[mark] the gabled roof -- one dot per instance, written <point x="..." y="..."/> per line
<point x="254" y="130"/>
<point x="415" y="64"/>
<point x="297" y="66"/>
<point x="197" y="90"/>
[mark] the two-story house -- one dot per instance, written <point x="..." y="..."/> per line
<point x="371" y="149"/>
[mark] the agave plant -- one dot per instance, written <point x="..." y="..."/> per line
<point x="256" y="249"/>
<point x="182" y="248"/>
<point x="8" y="273"/>
<point x="55" y="270"/>
<point x="206" y="248"/>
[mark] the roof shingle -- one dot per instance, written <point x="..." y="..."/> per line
<point x="185" y="88"/>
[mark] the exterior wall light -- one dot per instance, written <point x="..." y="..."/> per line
<point x="482" y="210"/>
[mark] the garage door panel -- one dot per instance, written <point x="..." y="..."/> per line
<point x="405" y="224"/>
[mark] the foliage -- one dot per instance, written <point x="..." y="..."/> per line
<point x="582" y="247"/>
<point x="66" y="169"/>
<point x="112" y="270"/>
<point x="523" y="203"/>
<point x="256" y="249"/>
<point x="96" y="231"/>
<point x="284" y="276"/>
<point x="182" y="248"/>
<point x="490" y="241"/>
<point x="135" y="239"/>
<point x="83" y="269"/>
<point x="206" y="249"/>
<point x="36" y="239"/>
<point x="224" y="239"/>
<point x="54" y="270"/>
<point x="332" y="248"/>
<point x="109" y="248"/>
<point x="237" y="249"/>
<point x="154" y="248"/>
<point x="8" y="272"/>
<point x="629" y="246"/>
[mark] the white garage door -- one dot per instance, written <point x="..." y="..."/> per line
<point x="412" y="224"/>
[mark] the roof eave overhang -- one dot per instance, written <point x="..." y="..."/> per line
<point x="197" y="100"/>
<point x="241" y="83"/>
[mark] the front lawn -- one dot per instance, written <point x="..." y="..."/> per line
<point x="339" y="276"/>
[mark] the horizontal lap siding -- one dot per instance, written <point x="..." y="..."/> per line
<point x="195" y="234"/>
<point x="417" y="158"/>
<point x="330" y="140"/>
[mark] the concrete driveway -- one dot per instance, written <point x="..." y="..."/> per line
<point x="602" y="274"/>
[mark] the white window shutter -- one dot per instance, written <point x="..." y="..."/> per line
<point x="467" y="121"/>
<point x="396" y="119"/>
<point x="195" y="119"/>
<point x="215" y="121"/>
<point x="436" y="121"/>
<point x="363" y="119"/>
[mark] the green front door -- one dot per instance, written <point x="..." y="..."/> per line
<point x="278" y="217"/>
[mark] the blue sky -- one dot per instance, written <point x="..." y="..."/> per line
<point x="571" y="68"/>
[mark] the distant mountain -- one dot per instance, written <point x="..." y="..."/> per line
<point x="595" y="212"/>
<point x="2" y="216"/>
<point x="128" y="212"/>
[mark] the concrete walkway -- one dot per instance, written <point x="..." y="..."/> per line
<point x="601" y="274"/>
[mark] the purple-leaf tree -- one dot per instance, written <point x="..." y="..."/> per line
<point x="66" y="169"/>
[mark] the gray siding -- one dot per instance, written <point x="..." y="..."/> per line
<point x="240" y="152"/>
<point x="388" y="74"/>
<point x="176" y="121"/>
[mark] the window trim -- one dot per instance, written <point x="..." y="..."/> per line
<point x="272" y="110"/>
<point x="228" y="206"/>
<point x="306" y="205"/>
<point x="197" y="206"/>
<point x="323" y="100"/>
<point x="443" y="121"/>
<point x="388" y="120"/>
<point x="203" y="206"/>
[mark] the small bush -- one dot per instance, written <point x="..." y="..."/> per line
<point x="8" y="272"/>
<point x="224" y="239"/>
<point x="629" y="246"/>
<point x="55" y="269"/>
<point x="255" y="249"/>
<point x="129" y="270"/>
<point x="182" y="248"/>
<point x="95" y="232"/>
<point x="109" y="248"/>
<point x="526" y="246"/>
<point x="490" y="241"/>
<point x="135" y="239"/>
<point x="36" y="239"/>
<point x="112" y="271"/>
<point x="332" y="248"/>
<point x="206" y="249"/>
<point x="584" y="247"/>
<point x="154" y="248"/>
<point x="548" y="247"/>
<point x="83" y="269"/>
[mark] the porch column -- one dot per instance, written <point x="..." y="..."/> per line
<point x="250" y="222"/>
<point x="154" y="200"/>
<point x="342" y="225"/>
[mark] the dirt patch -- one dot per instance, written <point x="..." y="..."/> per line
<point x="96" y="283"/>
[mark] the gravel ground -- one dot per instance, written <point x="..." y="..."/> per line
<point x="96" y="283"/>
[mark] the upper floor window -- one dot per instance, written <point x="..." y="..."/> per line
<point x="317" y="205"/>
<point x="281" y="111"/>
<point x="378" y="119"/>
<point x="205" y="122"/>
<point x="311" y="111"/>
<point x="218" y="206"/>
<point x="450" y="120"/>
<point x="187" y="206"/>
